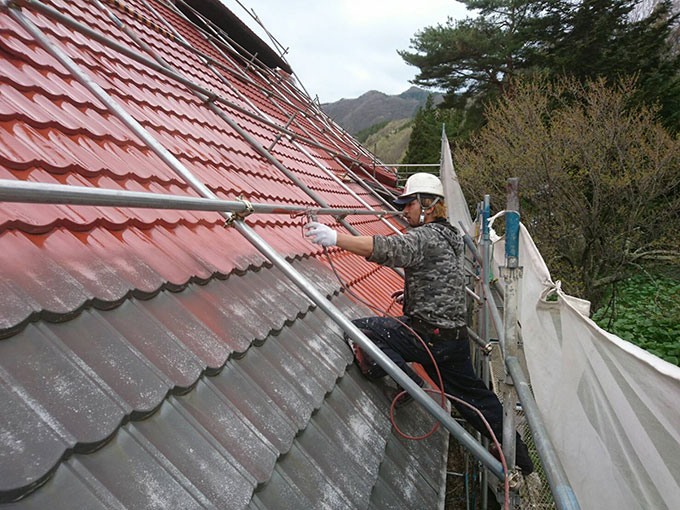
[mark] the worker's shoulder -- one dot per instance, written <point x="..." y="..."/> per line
<point x="439" y="228"/>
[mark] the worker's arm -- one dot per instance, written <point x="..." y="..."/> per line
<point x="359" y="245"/>
<point x="326" y="236"/>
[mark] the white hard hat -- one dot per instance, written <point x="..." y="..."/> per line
<point x="420" y="184"/>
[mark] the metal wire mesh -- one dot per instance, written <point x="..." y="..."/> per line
<point x="535" y="493"/>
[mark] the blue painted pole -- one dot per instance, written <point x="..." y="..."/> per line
<point x="512" y="224"/>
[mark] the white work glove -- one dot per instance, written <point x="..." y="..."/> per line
<point x="321" y="234"/>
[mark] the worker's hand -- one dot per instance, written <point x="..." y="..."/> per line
<point x="321" y="234"/>
<point x="398" y="296"/>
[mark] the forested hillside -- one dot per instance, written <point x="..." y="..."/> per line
<point x="388" y="141"/>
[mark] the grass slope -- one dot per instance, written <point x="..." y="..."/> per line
<point x="389" y="143"/>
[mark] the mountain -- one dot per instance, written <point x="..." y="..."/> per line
<point x="373" y="107"/>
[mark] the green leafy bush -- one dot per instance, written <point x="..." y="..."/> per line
<point x="645" y="311"/>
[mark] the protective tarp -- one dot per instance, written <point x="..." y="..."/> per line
<point x="456" y="206"/>
<point x="612" y="409"/>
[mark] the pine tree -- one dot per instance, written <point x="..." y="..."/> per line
<point x="422" y="146"/>
<point x="475" y="60"/>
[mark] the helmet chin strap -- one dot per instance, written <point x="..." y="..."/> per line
<point x="421" y="220"/>
<point x="422" y="215"/>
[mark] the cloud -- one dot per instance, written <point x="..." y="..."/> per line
<point x="343" y="48"/>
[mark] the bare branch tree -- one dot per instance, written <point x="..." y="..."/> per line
<point x="600" y="180"/>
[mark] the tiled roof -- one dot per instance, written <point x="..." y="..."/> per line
<point x="154" y="358"/>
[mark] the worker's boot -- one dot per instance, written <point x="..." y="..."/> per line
<point x="522" y="458"/>
<point x="369" y="368"/>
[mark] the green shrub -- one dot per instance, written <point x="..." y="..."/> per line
<point x="645" y="310"/>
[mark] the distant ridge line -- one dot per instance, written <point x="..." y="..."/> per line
<point x="373" y="107"/>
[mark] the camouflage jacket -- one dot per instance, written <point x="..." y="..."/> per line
<point x="432" y="258"/>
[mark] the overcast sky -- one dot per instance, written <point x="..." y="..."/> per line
<point x="343" y="48"/>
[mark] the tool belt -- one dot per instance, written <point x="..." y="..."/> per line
<point x="435" y="333"/>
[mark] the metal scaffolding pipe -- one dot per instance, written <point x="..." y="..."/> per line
<point x="364" y="184"/>
<point x="313" y="195"/>
<point x="565" y="499"/>
<point x="221" y="114"/>
<point x="352" y="175"/>
<point x="219" y="39"/>
<point x="231" y="47"/>
<point x="377" y="354"/>
<point x="348" y="170"/>
<point x="342" y="184"/>
<point x="44" y="193"/>
<point x="474" y="296"/>
<point x="216" y="41"/>
<point x="210" y="95"/>
<point x="320" y="300"/>
<point x="319" y="165"/>
<point x="165" y="155"/>
<point x="471" y="246"/>
<point x="389" y="192"/>
<point x="495" y="315"/>
<point x="485" y="323"/>
<point x="490" y="302"/>
<point x="239" y="52"/>
<point x="511" y="274"/>
<point x="485" y="346"/>
<point x="237" y="72"/>
<point x="352" y="142"/>
<point x="411" y="164"/>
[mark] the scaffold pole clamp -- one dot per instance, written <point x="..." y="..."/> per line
<point x="240" y="215"/>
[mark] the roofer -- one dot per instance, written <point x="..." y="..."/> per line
<point x="434" y="305"/>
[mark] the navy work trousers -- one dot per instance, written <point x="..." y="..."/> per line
<point x="455" y="366"/>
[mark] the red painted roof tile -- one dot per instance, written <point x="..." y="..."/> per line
<point x="92" y="273"/>
<point x="18" y="47"/>
<point x="24" y="265"/>
<point x="12" y="150"/>
<point x="44" y="151"/>
<point x="132" y="303"/>
<point x="13" y="101"/>
<point x="187" y="329"/>
<point x="124" y="259"/>
<point x="215" y="311"/>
